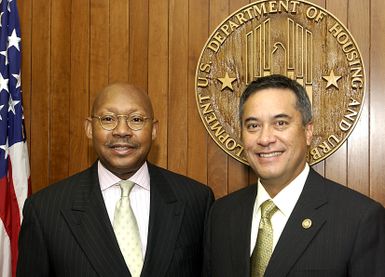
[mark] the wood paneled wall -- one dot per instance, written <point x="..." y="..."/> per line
<point x="71" y="49"/>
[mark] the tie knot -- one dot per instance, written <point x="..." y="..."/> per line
<point x="268" y="208"/>
<point x="126" y="187"/>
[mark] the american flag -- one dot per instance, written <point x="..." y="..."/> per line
<point x="14" y="163"/>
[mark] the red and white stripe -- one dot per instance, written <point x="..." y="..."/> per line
<point x="14" y="189"/>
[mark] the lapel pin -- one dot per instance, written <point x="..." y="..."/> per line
<point x="306" y="223"/>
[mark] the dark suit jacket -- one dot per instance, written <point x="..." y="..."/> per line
<point x="66" y="230"/>
<point x="347" y="236"/>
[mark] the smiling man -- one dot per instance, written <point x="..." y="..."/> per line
<point x="293" y="222"/>
<point x="123" y="216"/>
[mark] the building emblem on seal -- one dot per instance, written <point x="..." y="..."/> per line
<point x="295" y="38"/>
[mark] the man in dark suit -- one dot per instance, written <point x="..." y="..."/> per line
<point x="69" y="228"/>
<point x="293" y="222"/>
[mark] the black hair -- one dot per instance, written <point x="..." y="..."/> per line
<point x="279" y="81"/>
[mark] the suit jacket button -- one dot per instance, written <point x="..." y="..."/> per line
<point x="306" y="223"/>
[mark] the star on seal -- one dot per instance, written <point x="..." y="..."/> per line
<point x="331" y="79"/>
<point x="227" y="82"/>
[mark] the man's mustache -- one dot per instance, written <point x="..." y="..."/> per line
<point x="122" y="142"/>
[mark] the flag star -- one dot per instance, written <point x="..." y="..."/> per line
<point x="331" y="79"/>
<point x="18" y="79"/>
<point x="13" y="40"/>
<point x="1" y="107"/>
<point x="1" y="16"/>
<point x="3" y="83"/>
<point x="5" y="148"/>
<point x="5" y="54"/>
<point x="12" y="105"/>
<point x="227" y="82"/>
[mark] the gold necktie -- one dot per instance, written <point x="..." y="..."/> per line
<point x="264" y="245"/>
<point x="127" y="232"/>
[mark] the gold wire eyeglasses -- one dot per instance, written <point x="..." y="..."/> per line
<point x="109" y="121"/>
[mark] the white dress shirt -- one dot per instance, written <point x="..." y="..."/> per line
<point x="139" y="197"/>
<point x="285" y="201"/>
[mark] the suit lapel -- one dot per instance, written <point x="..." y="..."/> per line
<point x="166" y="214"/>
<point x="240" y="227"/>
<point x="90" y="225"/>
<point x="295" y="238"/>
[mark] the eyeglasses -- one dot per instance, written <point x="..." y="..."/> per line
<point x="109" y="121"/>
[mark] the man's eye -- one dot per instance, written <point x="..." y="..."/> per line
<point x="108" y="119"/>
<point x="137" y="119"/>
<point x="252" y="126"/>
<point x="281" y="123"/>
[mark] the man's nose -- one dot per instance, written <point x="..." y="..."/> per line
<point x="122" y="127"/>
<point x="266" y="136"/>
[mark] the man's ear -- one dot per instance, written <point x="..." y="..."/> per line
<point x="155" y="126"/>
<point x="88" y="127"/>
<point x="309" y="133"/>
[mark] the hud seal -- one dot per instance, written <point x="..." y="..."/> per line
<point x="295" y="38"/>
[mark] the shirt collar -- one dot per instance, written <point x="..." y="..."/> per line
<point x="107" y="179"/>
<point x="286" y="199"/>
